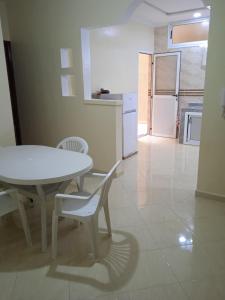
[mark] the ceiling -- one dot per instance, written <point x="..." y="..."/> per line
<point x="161" y="12"/>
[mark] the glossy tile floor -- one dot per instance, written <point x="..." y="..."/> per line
<point x="166" y="243"/>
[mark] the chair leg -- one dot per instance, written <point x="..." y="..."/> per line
<point x="107" y="217"/>
<point x="54" y="234"/>
<point x="93" y="229"/>
<point x="25" y="224"/>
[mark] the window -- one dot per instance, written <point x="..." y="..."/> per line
<point x="190" y="33"/>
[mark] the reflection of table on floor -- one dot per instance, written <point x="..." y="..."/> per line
<point x="39" y="166"/>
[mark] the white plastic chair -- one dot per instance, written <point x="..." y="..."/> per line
<point x="76" y="144"/>
<point x="84" y="208"/>
<point x="10" y="201"/>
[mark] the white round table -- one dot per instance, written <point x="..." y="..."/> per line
<point x="39" y="166"/>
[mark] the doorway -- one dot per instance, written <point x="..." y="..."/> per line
<point x="166" y="85"/>
<point x="144" y="93"/>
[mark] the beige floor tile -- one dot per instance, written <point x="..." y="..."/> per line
<point x="206" y="289"/>
<point x="184" y="182"/>
<point x="119" y="198"/>
<point x="171" y="233"/>
<point x="118" y="274"/>
<point x="150" y="196"/>
<point x="157" y="214"/>
<point x="216" y="255"/>
<point x="188" y="262"/>
<point x="7" y="282"/>
<point x="135" y="183"/>
<point x="151" y="270"/>
<point x="164" y="292"/>
<point x="110" y="274"/>
<point x="140" y="235"/>
<point x="124" y="296"/>
<point x="198" y="208"/>
<point x="207" y="229"/>
<point x="123" y="217"/>
<point x="182" y="196"/>
<point x="117" y="264"/>
<point x="36" y="285"/>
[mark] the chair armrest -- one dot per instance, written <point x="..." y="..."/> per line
<point x="99" y="174"/>
<point x="75" y="197"/>
<point x="94" y="174"/>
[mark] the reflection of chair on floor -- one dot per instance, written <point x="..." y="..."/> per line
<point x="10" y="201"/>
<point x="84" y="208"/>
<point x="120" y="261"/>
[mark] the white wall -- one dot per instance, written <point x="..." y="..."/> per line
<point x="38" y="30"/>
<point x="4" y="22"/>
<point x="114" y="56"/>
<point x="211" y="177"/>
<point x="7" y="136"/>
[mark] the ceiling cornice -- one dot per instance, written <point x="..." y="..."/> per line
<point x="173" y="13"/>
<point x="206" y="2"/>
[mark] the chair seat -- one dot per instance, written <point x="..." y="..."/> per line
<point x="80" y="207"/>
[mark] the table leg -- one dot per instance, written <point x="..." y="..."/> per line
<point x="42" y="198"/>
<point x="23" y="216"/>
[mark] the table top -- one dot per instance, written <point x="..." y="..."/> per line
<point x="38" y="165"/>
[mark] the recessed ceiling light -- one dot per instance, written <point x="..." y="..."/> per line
<point x="197" y="15"/>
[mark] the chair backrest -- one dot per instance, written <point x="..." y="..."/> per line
<point x="74" y="143"/>
<point x="105" y="185"/>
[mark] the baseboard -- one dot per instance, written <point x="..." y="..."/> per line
<point x="212" y="196"/>
<point x="130" y="155"/>
<point x="119" y="173"/>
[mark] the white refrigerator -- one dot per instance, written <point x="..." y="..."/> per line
<point x="130" y="144"/>
<point x="129" y="116"/>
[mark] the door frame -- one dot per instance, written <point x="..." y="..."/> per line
<point x="164" y="54"/>
<point x="150" y="104"/>
<point x="12" y="90"/>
